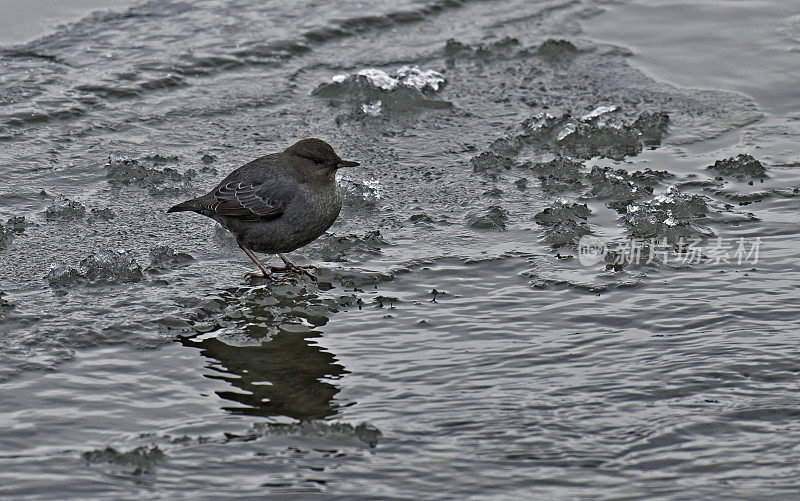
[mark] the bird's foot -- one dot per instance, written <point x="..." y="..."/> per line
<point x="275" y="277"/>
<point x="282" y="278"/>
<point x="293" y="268"/>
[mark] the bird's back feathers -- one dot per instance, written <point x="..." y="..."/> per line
<point x="189" y="205"/>
<point x="255" y="191"/>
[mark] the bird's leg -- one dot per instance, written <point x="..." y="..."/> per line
<point x="252" y="256"/>
<point x="264" y="272"/>
<point x="289" y="266"/>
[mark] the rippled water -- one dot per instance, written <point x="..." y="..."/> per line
<point x="458" y="345"/>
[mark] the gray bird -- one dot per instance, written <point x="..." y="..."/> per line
<point x="277" y="203"/>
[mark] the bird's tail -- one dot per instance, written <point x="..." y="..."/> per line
<point x="189" y="205"/>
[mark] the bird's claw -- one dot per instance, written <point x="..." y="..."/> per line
<point x="282" y="278"/>
<point x="275" y="277"/>
<point x="300" y="270"/>
<point x="293" y="268"/>
<point x="309" y="274"/>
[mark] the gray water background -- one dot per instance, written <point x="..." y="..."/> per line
<point x="450" y="351"/>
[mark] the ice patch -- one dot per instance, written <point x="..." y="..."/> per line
<point x="564" y="223"/>
<point x="378" y="78"/>
<point x="375" y="91"/>
<point x="372" y="108"/>
<point x="408" y="76"/>
<point x="493" y="218"/>
<point x="671" y="215"/>
<point x="740" y="167"/>
<point x="600" y="110"/>
<point x="585" y="137"/>
<point x="64" y="209"/>
<point x="102" y="267"/>
<point x="412" y="76"/>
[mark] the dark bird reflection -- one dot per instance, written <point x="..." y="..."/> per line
<point x="283" y="376"/>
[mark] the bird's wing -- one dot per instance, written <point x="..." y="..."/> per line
<point x="252" y="201"/>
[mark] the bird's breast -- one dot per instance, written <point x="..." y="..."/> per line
<point x="318" y="208"/>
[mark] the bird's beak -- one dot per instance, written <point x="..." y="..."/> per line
<point x="346" y="163"/>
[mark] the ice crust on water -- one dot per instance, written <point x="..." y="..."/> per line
<point x="64" y="209"/>
<point x="491" y="163"/>
<point x="551" y="50"/>
<point x="378" y="91"/>
<point x="126" y="170"/>
<point x="361" y="193"/>
<point x="600" y="110"/>
<point x="408" y="76"/>
<point x="151" y="172"/>
<point x="139" y="460"/>
<point x="671" y="215"/>
<point x="164" y="257"/>
<point x="412" y="76"/>
<point x="564" y="223"/>
<point x="14" y="225"/>
<point x="559" y="174"/>
<point x="343" y="248"/>
<point x="492" y="218"/>
<point x="101" y="267"/>
<point x="5" y="237"/>
<point x="740" y="167"/>
<point x="620" y="187"/>
<point x="596" y="134"/>
<point x="556" y="50"/>
<point x="505" y="48"/>
<point x="373" y="108"/>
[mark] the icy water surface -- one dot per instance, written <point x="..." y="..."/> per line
<point x="460" y="344"/>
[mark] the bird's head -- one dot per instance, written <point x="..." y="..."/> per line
<point x="320" y="155"/>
